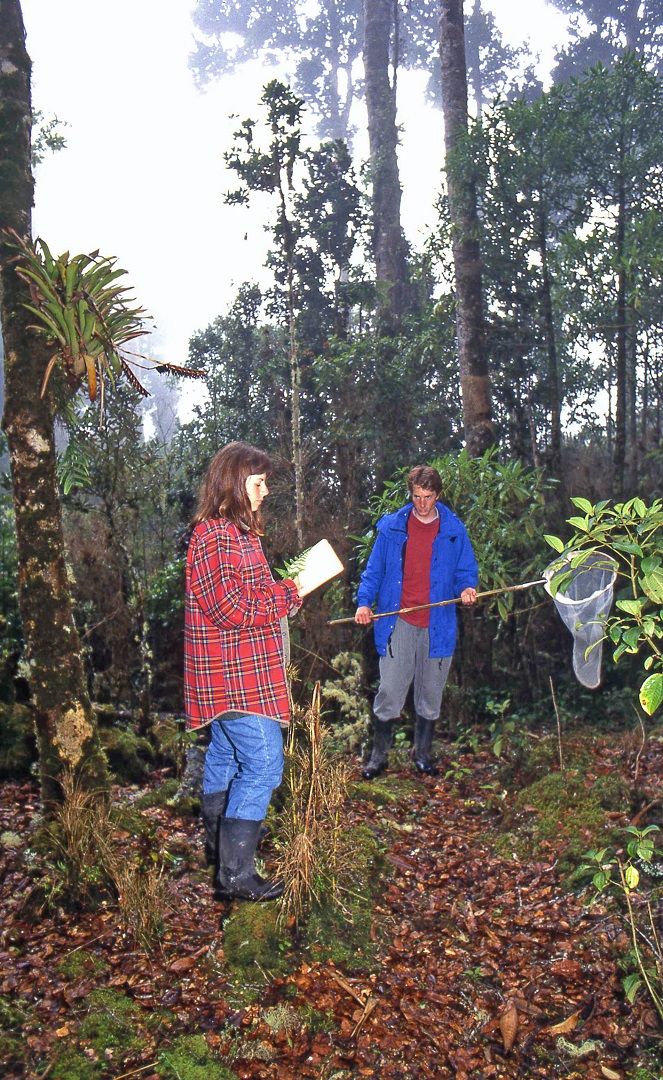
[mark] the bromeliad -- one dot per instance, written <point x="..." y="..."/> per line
<point x="87" y="316"/>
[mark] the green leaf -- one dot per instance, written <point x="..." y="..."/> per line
<point x="600" y="880"/>
<point x="579" y="523"/>
<point x="631" y="984"/>
<point x="652" y="585"/>
<point x="651" y="693"/>
<point x="554" y="542"/>
<point x="627" y="547"/>
<point x="584" y="505"/>
<point x="631" y="877"/>
<point x="631" y="607"/>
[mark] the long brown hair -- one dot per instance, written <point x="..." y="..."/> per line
<point x="223" y="490"/>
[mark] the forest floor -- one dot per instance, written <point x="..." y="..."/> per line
<point x="473" y="944"/>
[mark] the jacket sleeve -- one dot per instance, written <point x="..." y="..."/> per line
<point x="218" y="586"/>
<point x="373" y="575"/>
<point x="466" y="572"/>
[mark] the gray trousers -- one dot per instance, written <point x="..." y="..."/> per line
<point x="407" y="660"/>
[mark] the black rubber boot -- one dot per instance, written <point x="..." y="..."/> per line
<point x="237" y="877"/>
<point x="383" y="733"/>
<point x="423" y="742"/>
<point x="212" y="807"/>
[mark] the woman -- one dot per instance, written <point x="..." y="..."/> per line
<point x="234" y="672"/>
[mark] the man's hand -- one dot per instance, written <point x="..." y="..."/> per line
<point x="468" y="596"/>
<point x="363" y="616"/>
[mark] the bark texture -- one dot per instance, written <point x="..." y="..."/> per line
<point x="66" y="731"/>
<point x="474" y="377"/>
<point x="389" y="246"/>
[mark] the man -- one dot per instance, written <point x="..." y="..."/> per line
<point x="422" y="554"/>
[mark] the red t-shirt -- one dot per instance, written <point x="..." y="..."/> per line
<point x="416" y="571"/>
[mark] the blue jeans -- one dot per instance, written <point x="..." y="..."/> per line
<point x="244" y="758"/>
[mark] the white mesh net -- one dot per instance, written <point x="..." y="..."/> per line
<point x="583" y="601"/>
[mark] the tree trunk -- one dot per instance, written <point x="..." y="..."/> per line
<point x="619" y="455"/>
<point x="66" y="730"/>
<point x="554" y="396"/>
<point x="474" y="378"/>
<point x="389" y="247"/>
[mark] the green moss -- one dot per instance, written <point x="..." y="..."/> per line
<point x="72" y="1064"/>
<point x="613" y="793"/>
<point x="531" y="762"/>
<point x="560" y="806"/>
<point x="384" y="790"/>
<point x="340" y="930"/>
<point x="17" y="740"/>
<point x="190" y="1058"/>
<point x="161" y="796"/>
<point x="12" y="1049"/>
<point x="12" y="1020"/>
<point x="129" y="755"/>
<point x="253" y="944"/>
<point x="316" y="1020"/>
<point x="76" y="965"/>
<point x="111" y="1022"/>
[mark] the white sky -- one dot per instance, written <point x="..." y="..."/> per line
<point x="142" y="177"/>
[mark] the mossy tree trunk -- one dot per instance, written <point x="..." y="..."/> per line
<point x="66" y="730"/>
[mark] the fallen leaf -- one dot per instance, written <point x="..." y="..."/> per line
<point x="185" y="963"/>
<point x="565" y="1026"/>
<point x="509" y="1025"/>
<point x="610" y="1074"/>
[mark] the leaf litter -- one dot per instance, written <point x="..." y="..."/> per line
<point x="486" y="966"/>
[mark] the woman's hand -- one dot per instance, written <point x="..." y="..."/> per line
<point x="363" y="615"/>
<point x="469" y="596"/>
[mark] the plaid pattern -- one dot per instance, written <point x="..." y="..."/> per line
<point x="233" y="648"/>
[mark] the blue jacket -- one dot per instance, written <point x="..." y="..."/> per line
<point x="453" y="568"/>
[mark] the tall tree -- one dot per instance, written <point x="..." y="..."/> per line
<point x="323" y="40"/>
<point x="603" y="30"/>
<point x="381" y="48"/>
<point x="621" y="158"/>
<point x="472" y="355"/>
<point x="66" y="730"/>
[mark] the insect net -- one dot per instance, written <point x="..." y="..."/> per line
<point x="581" y="587"/>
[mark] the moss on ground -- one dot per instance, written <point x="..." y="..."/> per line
<point x="76" y="965"/>
<point x="130" y="756"/>
<point x="12" y="1020"/>
<point x="340" y="929"/>
<point x="385" y="790"/>
<point x="562" y="806"/>
<point x="73" y="1064"/>
<point x="190" y="1058"/>
<point x="111" y="1023"/>
<point x="254" y="945"/>
<point x="161" y="796"/>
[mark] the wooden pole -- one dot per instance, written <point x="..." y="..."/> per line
<point x="440" y="603"/>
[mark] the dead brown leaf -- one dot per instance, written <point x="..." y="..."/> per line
<point x="185" y="963"/>
<point x="565" y="1026"/>
<point x="509" y="1025"/>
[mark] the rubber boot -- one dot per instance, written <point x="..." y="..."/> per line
<point x="237" y="877"/>
<point x="212" y="807"/>
<point x="383" y="733"/>
<point x="423" y="742"/>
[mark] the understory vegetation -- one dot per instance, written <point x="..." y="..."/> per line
<point x="504" y="917"/>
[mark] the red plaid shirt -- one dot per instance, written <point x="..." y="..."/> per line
<point x="233" y="648"/>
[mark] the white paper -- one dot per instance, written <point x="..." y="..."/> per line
<point x="321" y="564"/>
